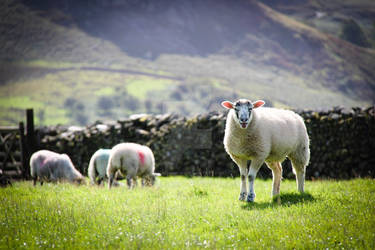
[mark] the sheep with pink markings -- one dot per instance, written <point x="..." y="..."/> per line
<point x="132" y="160"/>
<point x="49" y="166"/>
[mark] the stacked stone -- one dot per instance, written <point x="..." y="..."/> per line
<point x="342" y="143"/>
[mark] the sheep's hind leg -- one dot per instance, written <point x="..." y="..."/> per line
<point x="299" y="171"/>
<point x="135" y="182"/>
<point x="277" y="175"/>
<point x="300" y="176"/>
<point x="111" y="178"/>
<point x="254" y="167"/>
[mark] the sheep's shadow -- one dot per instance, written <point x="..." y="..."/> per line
<point x="284" y="199"/>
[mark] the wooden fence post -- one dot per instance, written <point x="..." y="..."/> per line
<point x="30" y="133"/>
<point x="23" y="149"/>
<point x="30" y="142"/>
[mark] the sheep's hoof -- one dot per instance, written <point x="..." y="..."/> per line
<point x="250" y="197"/>
<point x="242" y="196"/>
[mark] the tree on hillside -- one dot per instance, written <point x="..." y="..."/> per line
<point x="76" y="111"/>
<point x="130" y="103"/>
<point x="372" y="34"/>
<point x="105" y="105"/>
<point x="41" y="116"/>
<point x="353" y="33"/>
<point x="148" y="106"/>
<point x="81" y="118"/>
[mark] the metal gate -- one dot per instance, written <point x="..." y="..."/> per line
<point x="11" y="152"/>
<point x="16" y="147"/>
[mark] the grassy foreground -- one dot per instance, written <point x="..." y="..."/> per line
<point x="188" y="213"/>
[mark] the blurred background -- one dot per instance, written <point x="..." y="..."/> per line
<point x="76" y="62"/>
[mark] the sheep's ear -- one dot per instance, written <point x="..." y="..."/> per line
<point x="258" y="103"/>
<point x="227" y="104"/>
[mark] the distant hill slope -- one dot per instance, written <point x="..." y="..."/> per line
<point x="329" y="16"/>
<point x="188" y="52"/>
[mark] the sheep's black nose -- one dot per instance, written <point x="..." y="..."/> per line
<point x="243" y="119"/>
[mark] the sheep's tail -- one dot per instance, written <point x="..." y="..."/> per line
<point x="92" y="173"/>
<point x="32" y="167"/>
<point x="305" y="150"/>
<point x="304" y="155"/>
<point x="35" y="162"/>
<point x="301" y="157"/>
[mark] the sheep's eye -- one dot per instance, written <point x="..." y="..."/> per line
<point x="236" y="111"/>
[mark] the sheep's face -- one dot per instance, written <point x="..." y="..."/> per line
<point x="149" y="180"/>
<point x="80" y="181"/>
<point x="243" y="110"/>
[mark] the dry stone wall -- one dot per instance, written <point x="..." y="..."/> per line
<point x="342" y="143"/>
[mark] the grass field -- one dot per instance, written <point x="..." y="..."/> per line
<point x="188" y="213"/>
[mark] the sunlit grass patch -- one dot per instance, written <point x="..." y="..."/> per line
<point x="106" y="91"/>
<point x="139" y="87"/>
<point x="22" y="102"/>
<point x="188" y="213"/>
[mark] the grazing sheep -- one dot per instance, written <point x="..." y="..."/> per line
<point x="46" y="165"/>
<point x="265" y="135"/>
<point x="98" y="167"/>
<point x="132" y="160"/>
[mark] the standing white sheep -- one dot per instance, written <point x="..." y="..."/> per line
<point x="46" y="165"/>
<point x="265" y="135"/>
<point x="132" y="160"/>
<point x="98" y="167"/>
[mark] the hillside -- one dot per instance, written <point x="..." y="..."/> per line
<point x="329" y="16"/>
<point x="76" y="62"/>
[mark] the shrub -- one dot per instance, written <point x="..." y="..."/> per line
<point x="131" y="103"/>
<point x="105" y="103"/>
<point x="353" y="33"/>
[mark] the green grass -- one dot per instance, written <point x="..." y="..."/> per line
<point x="106" y="91"/>
<point x="22" y="102"/>
<point x="188" y="213"/>
<point x="48" y="91"/>
<point x="142" y="86"/>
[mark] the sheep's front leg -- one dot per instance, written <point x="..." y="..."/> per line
<point x="254" y="167"/>
<point x="131" y="178"/>
<point x="242" y="165"/>
<point x="129" y="181"/>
